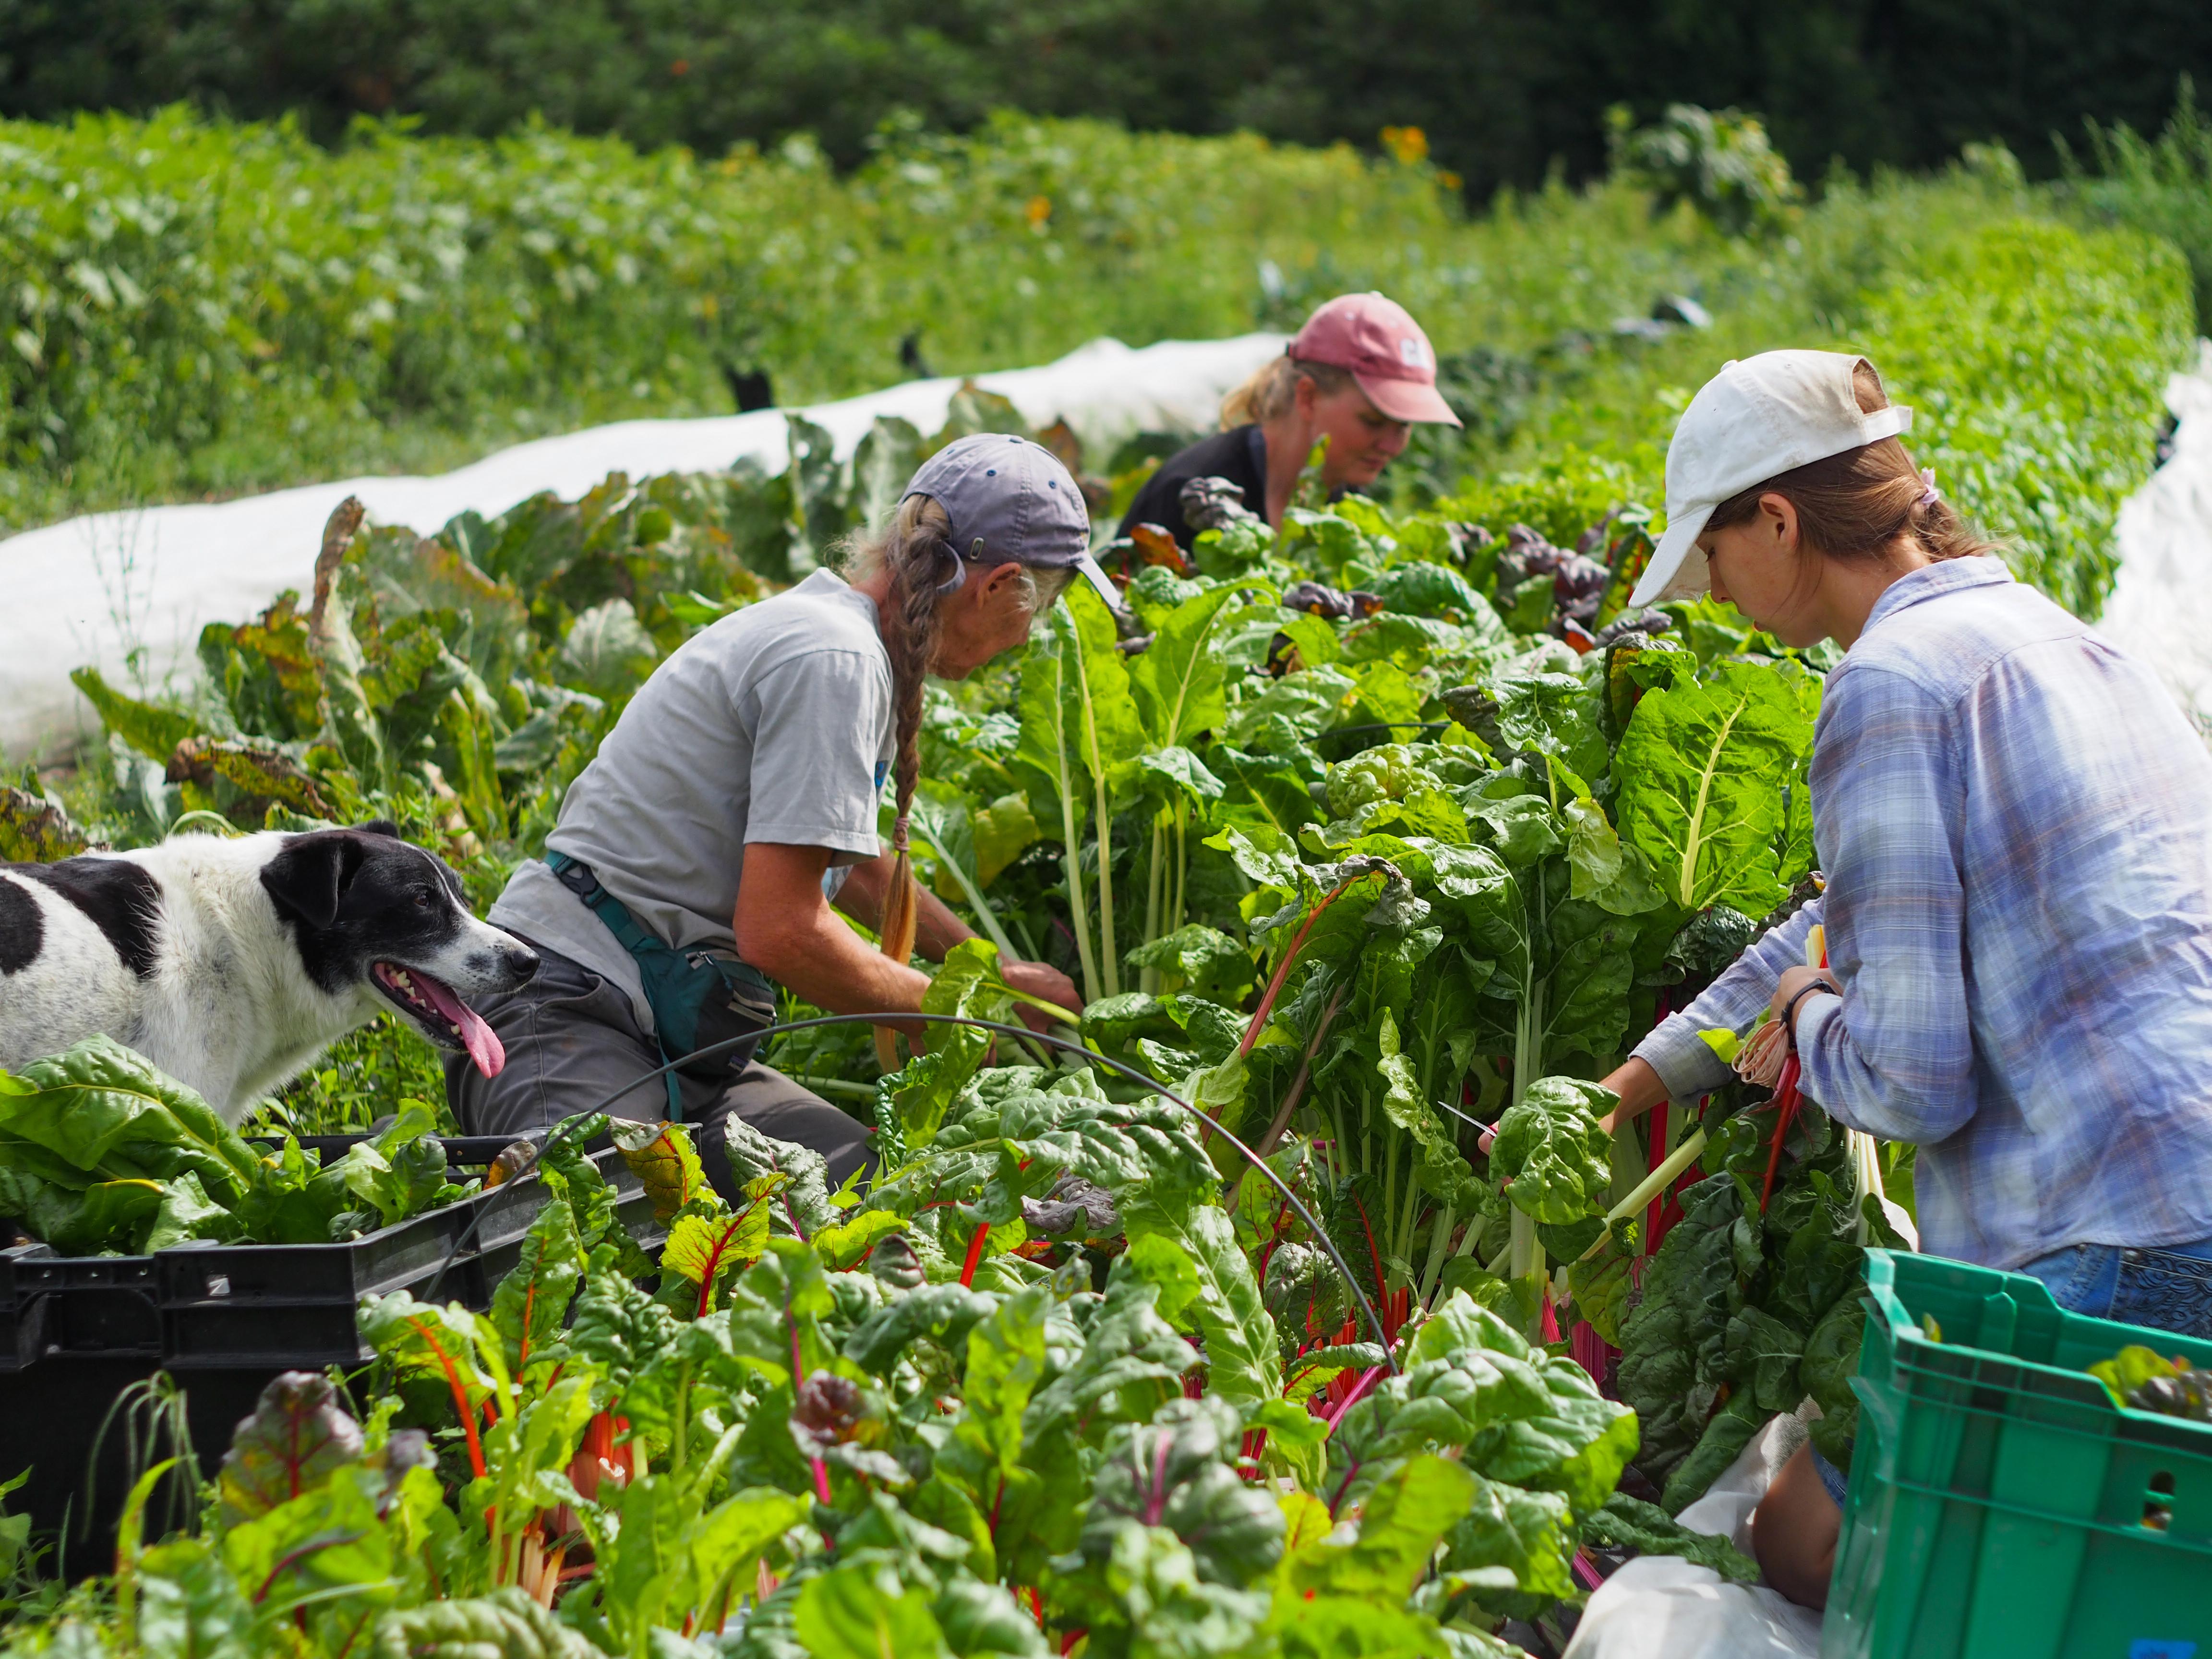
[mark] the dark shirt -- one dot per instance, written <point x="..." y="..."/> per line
<point x="1239" y="455"/>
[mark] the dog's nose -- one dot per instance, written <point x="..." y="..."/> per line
<point x="521" y="962"/>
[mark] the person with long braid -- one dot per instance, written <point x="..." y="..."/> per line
<point x="696" y="859"/>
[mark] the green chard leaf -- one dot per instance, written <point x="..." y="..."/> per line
<point x="1243" y="1352"/>
<point x="530" y="1306"/>
<point x="108" y="1111"/>
<point x="505" y="1624"/>
<point x="967" y="984"/>
<point x="1703" y="767"/>
<point x="1630" y="1524"/>
<point x="297" y="1439"/>
<point x="1550" y="1148"/>
<point x="1179" y="679"/>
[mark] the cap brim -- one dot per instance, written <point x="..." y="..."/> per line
<point x="1677" y="570"/>
<point x="1100" y="581"/>
<point x="1407" y="400"/>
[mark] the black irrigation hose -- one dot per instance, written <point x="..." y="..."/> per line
<point x="1319" y="1233"/>
<point x="537" y="1157"/>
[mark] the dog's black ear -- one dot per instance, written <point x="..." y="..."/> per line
<point x="379" y="827"/>
<point x="310" y="873"/>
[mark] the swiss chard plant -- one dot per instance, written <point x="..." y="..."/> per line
<point x="1372" y="843"/>
<point x="100" y="1152"/>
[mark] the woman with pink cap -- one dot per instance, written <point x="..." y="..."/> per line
<point x="1359" y="373"/>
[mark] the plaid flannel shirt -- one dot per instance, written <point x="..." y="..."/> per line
<point x="2016" y="825"/>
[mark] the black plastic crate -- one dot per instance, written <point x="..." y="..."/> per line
<point x="108" y="1305"/>
<point x="223" y="1319"/>
<point x="203" y="1304"/>
<point x="23" y="1304"/>
<point x="78" y="1477"/>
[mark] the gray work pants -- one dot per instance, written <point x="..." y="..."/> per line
<point x="572" y="1039"/>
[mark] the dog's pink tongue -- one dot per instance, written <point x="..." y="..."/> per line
<point x="479" y="1039"/>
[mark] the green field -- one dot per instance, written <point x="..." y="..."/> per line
<point x="195" y="309"/>
<point x="1355" y="880"/>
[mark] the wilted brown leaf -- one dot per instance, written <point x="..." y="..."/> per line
<point x="34" y="830"/>
<point x="662" y="1156"/>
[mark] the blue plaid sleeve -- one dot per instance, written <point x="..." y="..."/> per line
<point x="1893" y="1056"/>
<point x="1685" y="1064"/>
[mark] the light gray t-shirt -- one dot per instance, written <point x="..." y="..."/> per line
<point x="772" y="725"/>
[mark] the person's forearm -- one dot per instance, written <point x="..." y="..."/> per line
<point x="1685" y="1066"/>
<point x="861" y="897"/>
<point x="785" y="928"/>
<point x="1639" y="1088"/>
<point x="936" y="930"/>
<point x="820" y="960"/>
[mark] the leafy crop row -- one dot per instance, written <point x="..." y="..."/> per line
<point x="815" y="1439"/>
<point x="190" y="306"/>
<point x="1349" y="877"/>
<point x="1360" y="836"/>
<point x="100" y="1153"/>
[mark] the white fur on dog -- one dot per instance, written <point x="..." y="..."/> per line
<point x="229" y="1009"/>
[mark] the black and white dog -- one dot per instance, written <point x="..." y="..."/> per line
<point x="231" y="963"/>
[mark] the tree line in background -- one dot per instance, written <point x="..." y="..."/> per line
<point x="1504" y="91"/>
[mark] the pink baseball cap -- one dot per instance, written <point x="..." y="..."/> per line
<point x="1386" y="351"/>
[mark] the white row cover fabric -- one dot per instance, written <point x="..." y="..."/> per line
<point x="95" y="590"/>
<point x="1660" y="1607"/>
<point x="2161" y="606"/>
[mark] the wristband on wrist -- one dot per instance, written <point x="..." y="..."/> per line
<point x="1789" y="1008"/>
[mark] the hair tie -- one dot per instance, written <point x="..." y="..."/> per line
<point x="1929" y="494"/>
<point x="898" y="833"/>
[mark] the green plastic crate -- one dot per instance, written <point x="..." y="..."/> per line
<point x="2001" y="1506"/>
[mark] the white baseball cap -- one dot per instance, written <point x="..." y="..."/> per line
<point x="1758" y="418"/>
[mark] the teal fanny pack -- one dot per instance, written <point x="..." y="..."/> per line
<point x="700" y="996"/>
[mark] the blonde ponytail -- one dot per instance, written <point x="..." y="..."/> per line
<point x="1268" y="390"/>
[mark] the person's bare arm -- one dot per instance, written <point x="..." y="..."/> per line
<point x="936" y="930"/>
<point x="1637" y="1084"/>
<point x="784" y="927"/>
<point x="1794" y="1530"/>
<point x="1639" y="1088"/>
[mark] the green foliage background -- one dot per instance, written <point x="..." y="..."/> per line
<point x="194" y="308"/>
<point x="1505" y="91"/>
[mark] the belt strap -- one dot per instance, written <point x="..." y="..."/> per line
<point x="633" y="936"/>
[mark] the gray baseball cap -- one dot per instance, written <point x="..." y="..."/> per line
<point x="1010" y="499"/>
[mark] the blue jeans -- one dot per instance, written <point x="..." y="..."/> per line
<point x="2167" y="1287"/>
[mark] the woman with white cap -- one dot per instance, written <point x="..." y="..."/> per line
<point x="696" y="860"/>
<point x="1360" y="373"/>
<point x="2016" y="827"/>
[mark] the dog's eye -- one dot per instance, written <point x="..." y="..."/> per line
<point x="422" y="899"/>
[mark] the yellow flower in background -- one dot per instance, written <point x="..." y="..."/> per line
<point x="1038" y="209"/>
<point x="1408" y="144"/>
